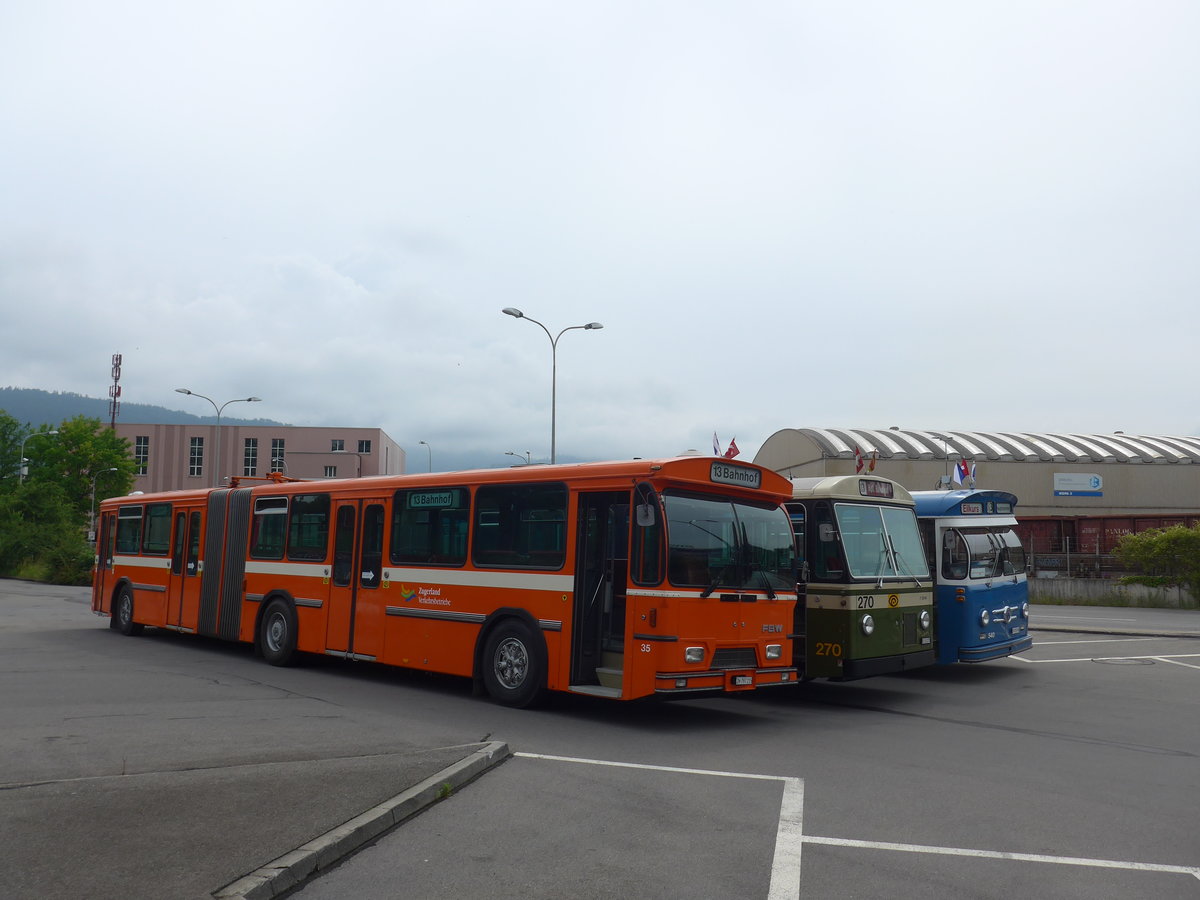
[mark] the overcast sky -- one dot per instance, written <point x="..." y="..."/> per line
<point x="953" y="215"/>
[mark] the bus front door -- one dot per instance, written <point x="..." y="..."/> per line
<point x="598" y="635"/>
<point x="354" y="623"/>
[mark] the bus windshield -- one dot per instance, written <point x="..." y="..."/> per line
<point x="981" y="553"/>
<point x="881" y="541"/>
<point x="717" y="542"/>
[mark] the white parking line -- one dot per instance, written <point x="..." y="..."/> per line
<point x="789" y="834"/>
<point x="1003" y="854"/>
<point x="790" y="837"/>
<point x="1041" y="643"/>
<point x="1041" y="615"/>
<point x="1173" y="662"/>
<point x="1109" y="658"/>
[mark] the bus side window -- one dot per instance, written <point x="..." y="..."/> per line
<point x="521" y="525"/>
<point x="429" y="527"/>
<point x="129" y="530"/>
<point x="954" y="556"/>
<point x="827" y="553"/>
<point x="268" y="531"/>
<point x="308" y="529"/>
<point x="645" y="555"/>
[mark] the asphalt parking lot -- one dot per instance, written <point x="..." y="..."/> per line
<point x="166" y="765"/>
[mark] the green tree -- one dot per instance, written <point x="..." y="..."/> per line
<point x="1169" y="554"/>
<point x="45" y="517"/>
<point x="11" y="435"/>
<point x="79" y="456"/>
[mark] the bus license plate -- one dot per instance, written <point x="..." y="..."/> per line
<point x="743" y="680"/>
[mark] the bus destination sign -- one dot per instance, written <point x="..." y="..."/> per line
<point x="740" y="476"/>
<point x="431" y="499"/>
<point x="972" y="509"/>
<point x="875" y="489"/>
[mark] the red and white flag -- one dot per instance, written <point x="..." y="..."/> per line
<point x="858" y="460"/>
<point x="733" y="449"/>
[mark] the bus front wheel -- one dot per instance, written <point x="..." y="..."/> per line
<point x="277" y="633"/>
<point x="122" y="614"/>
<point x="514" y="665"/>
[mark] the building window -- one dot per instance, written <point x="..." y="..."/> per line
<point x="196" y="457"/>
<point x="337" y="445"/>
<point x="250" y="458"/>
<point x="331" y="471"/>
<point x="141" y="453"/>
<point x="364" y="446"/>
<point x="277" y="464"/>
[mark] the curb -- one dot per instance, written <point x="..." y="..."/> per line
<point x="292" y="869"/>
<point x="1131" y="632"/>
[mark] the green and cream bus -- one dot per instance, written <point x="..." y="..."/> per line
<point x="866" y="595"/>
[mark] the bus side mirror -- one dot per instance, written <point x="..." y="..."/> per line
<point x="825" y="532"/>
<point x="645" y="515"/>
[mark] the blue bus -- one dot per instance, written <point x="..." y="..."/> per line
<point x="978" y="563"/>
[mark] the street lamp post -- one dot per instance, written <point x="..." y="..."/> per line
<point x="430" y="449"/>
<point x="525" y="456"/>
<point x="219" y="409"/>
<point x="590" y="326"/>
<point x="21" y="455"/>
<point x="92" y="532"/>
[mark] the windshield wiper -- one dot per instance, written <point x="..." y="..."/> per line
<point x="900" y="559"/>
<point x="707" y="592"/>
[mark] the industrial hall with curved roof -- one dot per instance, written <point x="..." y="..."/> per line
<point x="1052" y="475"/>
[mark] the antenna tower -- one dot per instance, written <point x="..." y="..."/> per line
<point x="114" y="392"/>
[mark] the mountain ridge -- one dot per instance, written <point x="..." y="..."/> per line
<point x="37" y="407"/>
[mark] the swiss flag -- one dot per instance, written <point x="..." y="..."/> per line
<point x="733" y="449"/>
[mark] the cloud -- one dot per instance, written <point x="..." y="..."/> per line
<point x="975" y="217"/>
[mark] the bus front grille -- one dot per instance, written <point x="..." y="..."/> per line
<point x="734" y="658"/>
<point x="910" y="628"/>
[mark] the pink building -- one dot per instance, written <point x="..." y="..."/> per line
<point x="173" y="457"/>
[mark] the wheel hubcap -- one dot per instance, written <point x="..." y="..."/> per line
<point x="512" y="663"/>
<point x="276" y="631"/>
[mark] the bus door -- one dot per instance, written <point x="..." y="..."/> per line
<point x="183" y="589"/>
<point x="354" y="625"/>
<point x="601" y="573"/>
<point x="102" y="583"/>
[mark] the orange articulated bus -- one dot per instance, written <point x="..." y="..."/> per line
<point x="619" y="579"/>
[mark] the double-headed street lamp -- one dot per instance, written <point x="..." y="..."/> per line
<point x="21" y="455"/>
<point x="590" y="326"/>
<point x="93" y="518"/>
<point x="219" y="409"/>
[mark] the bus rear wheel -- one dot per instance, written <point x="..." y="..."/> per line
<point x="514" y="665"/>
<point x="277" y="633"/>
<point x="122" y="614"/>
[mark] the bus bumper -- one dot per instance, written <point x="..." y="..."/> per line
<point x="885" y="665"/>
<point x="724" y="680"/>
<point x="995" y="651"/>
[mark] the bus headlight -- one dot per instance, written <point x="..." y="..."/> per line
<point x="985" y="618"/>
<point x="925" y="620"/>
<point x="868" y="625"/>
<point x="774" y="651"/>
<point x="693" y="654"/>
<point x="1024" y="610"/>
